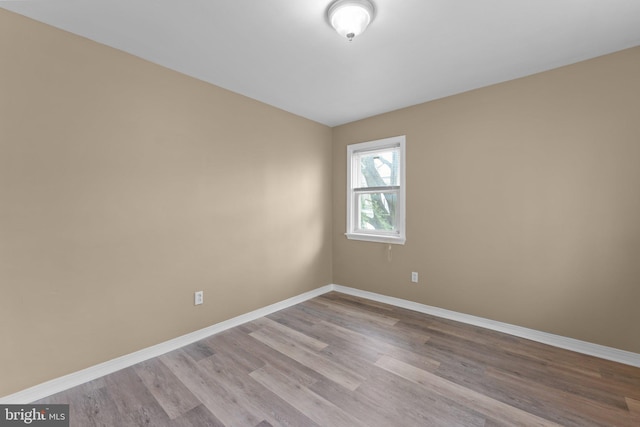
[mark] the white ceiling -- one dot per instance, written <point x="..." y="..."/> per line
<point x="284" y="53"/>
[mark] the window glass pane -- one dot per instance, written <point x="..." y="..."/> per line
<point x="377" y="211"/>
<point x="378" y="168"/>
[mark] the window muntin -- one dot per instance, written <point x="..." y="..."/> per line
<point x="376" y="190"/>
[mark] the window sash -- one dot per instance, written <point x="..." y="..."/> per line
<point x="359" y="181"/>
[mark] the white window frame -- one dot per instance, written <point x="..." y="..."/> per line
<point x="395" y="237"/>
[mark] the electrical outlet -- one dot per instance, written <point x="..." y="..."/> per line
<point x="199" y="298"/>
<point x="414" y="277"/>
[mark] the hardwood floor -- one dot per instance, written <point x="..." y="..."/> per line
<point x="338" y="360"/>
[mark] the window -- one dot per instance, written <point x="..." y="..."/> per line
<point x="376" y="190"/>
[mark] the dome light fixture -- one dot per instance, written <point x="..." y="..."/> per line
<point x="350" y="17"/>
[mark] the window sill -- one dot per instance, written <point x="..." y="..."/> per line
<point x="376" y="238"/>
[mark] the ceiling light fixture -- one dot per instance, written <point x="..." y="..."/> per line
<point x="350" y="17"/>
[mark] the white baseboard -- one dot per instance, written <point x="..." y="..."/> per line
<point x="57" y="385"/>
<point x="601" y="351"/>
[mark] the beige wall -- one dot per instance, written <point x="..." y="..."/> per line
<point x="523" y="203"/>
<point x="125" y="187"/>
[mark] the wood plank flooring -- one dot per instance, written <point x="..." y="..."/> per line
<point x="338" y="360"/>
